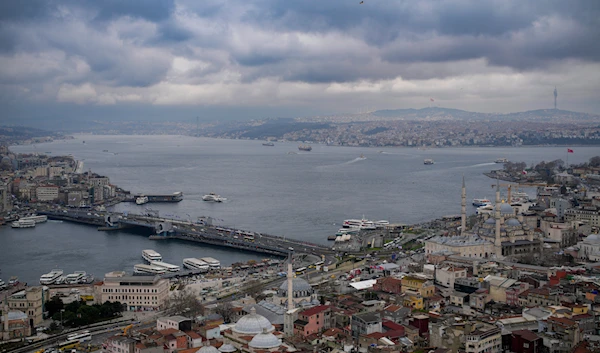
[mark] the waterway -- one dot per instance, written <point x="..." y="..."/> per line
<point x="276" y="190"/>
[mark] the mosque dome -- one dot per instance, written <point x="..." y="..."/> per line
<point x="227" y="348"/>
<point x="513" y="222"/>
<point x="490" y="221"/>
<point x="592" y="239"/>
<point x="207" y="349"/>
<point x="506" y="209"/>
<point x="298" y="285"/>
<point x="252" y="324"/>
<point x="265" y="340"/>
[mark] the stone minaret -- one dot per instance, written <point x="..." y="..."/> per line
<point x="498" y="240"/>
<point x="290" y="286"/>
<point x="463" y="208"/>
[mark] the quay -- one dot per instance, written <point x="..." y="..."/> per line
<point x="164" y="229"/>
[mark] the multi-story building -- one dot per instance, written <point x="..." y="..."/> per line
<point x="136" y="292"/>
<point x="313" y="320"/>
<point x="483" y="338"/>
<point x="525" y="341"/>
<point x="174" y="322"/>
<point x="365" y="324"/>
<point x="414" y="284"/>
<point x="446" y="275"/>
<point x="119" y="344"/>
<point x="31" y="302"/>
<point x="46" y="193"/>
<point x="586" y="214"/>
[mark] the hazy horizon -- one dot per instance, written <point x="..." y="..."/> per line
<point x="233" y="60"/>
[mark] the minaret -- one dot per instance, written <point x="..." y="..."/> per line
<point x="498" y="240"/>
<point x="290" y="277"/>
<point x="463" y="208"/>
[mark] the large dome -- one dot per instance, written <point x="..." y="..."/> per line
<point x="490" y="221"/>
<point x="207" y="349"/>
<point x="513" y="222"/>
<point x="265" y="340"/>
<point x="592" y="239"/>
<point x="227" y="348"/>
<point x="252" y="324"/>
<point x="298" y="285"/>
<point x="506" y="209"/>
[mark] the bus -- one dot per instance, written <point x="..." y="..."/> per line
<point x="80" y="336"/>
<point x="68" y="345"/>
<point x="319" y="263"/>
<point x="300" y="271"/>
<point x="249" y="237"/>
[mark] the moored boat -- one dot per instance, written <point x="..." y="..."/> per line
<point x="141" y="200"/>
<point x="166" y="266"/>
<point x="23" y="223"/>
<point x="151" y="255"/>
<point x="35" y="218"/>
<point x="192" y="263"/>
<point x="481" y="202"/>
<point x="270" y="144"/>
<point x="50" y="277"/>
<point x="148" y="269"/>
<point x="428" y="161"/>
<point x="212" y="262"/>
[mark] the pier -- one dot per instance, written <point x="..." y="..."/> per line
<point x="164" y="229"/>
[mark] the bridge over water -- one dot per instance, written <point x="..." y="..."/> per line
<point x="165" y="228"/>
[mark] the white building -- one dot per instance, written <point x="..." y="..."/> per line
<point x="46" y="193"/>
<point x="147" y="293"/>
<point x="446" y="275"/>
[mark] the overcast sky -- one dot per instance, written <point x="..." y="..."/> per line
<point x="267" y="58"/>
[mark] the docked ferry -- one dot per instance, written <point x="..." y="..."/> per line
<point x="151" y="255"/>
<point x="192" y="263"/>
<point x="23" y="223"/>
<point x="35" y="218"/>
<point x="75" y="277"/>
<point x="141" y="200"/>
<point x="50" y="277"/>
<point x="148" y="269"/>
<point x="212" y="262"/>
<point x="166" y="266"/>
<point x="481" y="202"/>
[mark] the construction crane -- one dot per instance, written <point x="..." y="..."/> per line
<point x="126" y="329"/>
<point x="516" y="187"/>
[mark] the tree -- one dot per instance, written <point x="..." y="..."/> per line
<point x="184" y="302"/>
<point x="225" y="309"/>
<point x="595" y="161"/>
<point x="54" y="305"/>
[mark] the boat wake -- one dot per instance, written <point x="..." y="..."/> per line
<point x="480" y="165"/>
<point x="355" y="160"/>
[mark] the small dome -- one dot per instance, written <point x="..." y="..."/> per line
<point x="265" y="340"/>
<point x="227" y="348"/>
<point x="252" y="324"/>
<point x="298" y="285"/>
<point x="513" y="222"/>
<point x="207" y="349"/>
<point x="506" y="209"/>
<point x="592" y="239"/>
<point x="490" y="221"/>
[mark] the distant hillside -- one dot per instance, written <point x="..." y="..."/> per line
<point x="448" y="113"/>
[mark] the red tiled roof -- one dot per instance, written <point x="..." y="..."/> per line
<point x="562" y="321"/>
<point x="392" y="308"/>
<point x="392" y="326"/>
<point x="526" y="334"/>
<point x="313" y="311"/>
<point x="193" y="335"/>
<point x="168" y="331"/>
<point x="376" y="335"/>
<point x="333" y="332"/>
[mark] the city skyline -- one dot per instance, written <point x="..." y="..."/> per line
<point x="238" y="60"/>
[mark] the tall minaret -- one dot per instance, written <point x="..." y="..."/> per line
<point x="463" y="208"/>
<point x="498" y="240"/>
<point x="290" y="277"/>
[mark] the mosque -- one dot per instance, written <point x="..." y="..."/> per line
<point x="498" y="235"/>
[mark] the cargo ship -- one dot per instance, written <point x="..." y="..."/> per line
<point x="305" y="148"/>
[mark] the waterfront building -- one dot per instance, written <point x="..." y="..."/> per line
<point x="31" y="302"/>
<point x="136" y="292"/>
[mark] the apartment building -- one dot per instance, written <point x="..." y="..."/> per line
<point x="136" y="292"/>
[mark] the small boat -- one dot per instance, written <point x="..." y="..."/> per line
<point x="141" y="200"/>
<point x="23" y="223"/>
<point x="428" y="161"/>
<point x="481" y="202"/>
<point x="306" y="148"/>
<point x="270" y="144"/>
<point x="14" y="280"/>
<point x="501" y="160"/>
<point x="362" y="157"/>
<point x="151" y="255"/>
<point x="212" y="197"/>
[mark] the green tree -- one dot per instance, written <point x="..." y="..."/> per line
<point x="54" y="305"/>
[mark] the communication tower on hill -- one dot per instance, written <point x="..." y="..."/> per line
<point x="555" y="95"/>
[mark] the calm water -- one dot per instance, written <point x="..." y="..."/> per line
<point x="305" y="195"/>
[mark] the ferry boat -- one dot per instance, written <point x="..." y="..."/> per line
<point x="13" y="281"/>
<point x="141" y="200"/>
<point x="23" y="223"/>
<point x="148" y="269"/>
<point x="75" y="277"/>
<point x="2" y="284"/>
<point x="213" y="197"/>
<point x="50" y="277"/>
<point x="306" y="148"/>
<point x="428" y="161"/>
<point x="212" y="262"/>
<point x="192" y="263"/>
<point x="481" y="202"/>
<point x="60" y="280"/>
<point x="151" y="255"/>
<point x="35" y="218"/>
<point x="364" y="224"/>
<point x="164" y="265"/>
<point x="501" y="160"/>
<point x="270" y="144"/>
<point x="485" y="209"/>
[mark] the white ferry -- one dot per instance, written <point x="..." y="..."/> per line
<point x="501" y="160"/>
<point x="35" y="218"/>
<point x="141" y="200"/>
<point x="148" y="269"/>
<point x="23" y="223"/>
<point x="485" y="209"/>
<point x="51" y="277"/>
<point x="428" y="161"/>
<point x="192" y="263"/>
<point x="212" y="262"/>
<point x="212" y="197"/>
<point x="166" y="266"/>
<point x="364" y="224"/>
<point x="481" y="202"/>
<point x="75" y="277"/>
<point x="151" y="255"/>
